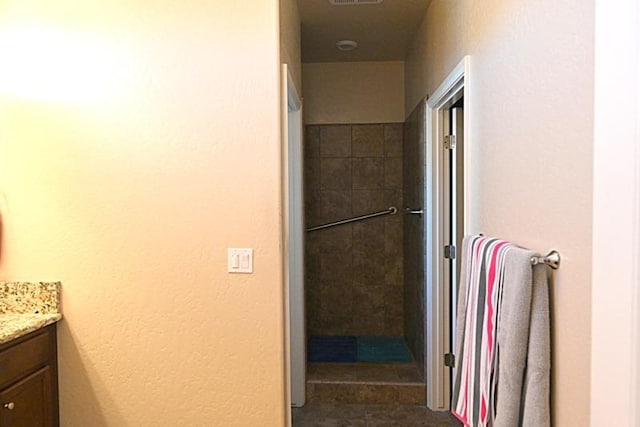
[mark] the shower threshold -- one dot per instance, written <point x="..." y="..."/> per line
<point x="364" y="382"/>
<point x="363" y="369"/>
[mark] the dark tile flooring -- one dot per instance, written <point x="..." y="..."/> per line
<point x="335" y="397"/>
<point x="362" y="371"/>
<point x="322" y="414"/>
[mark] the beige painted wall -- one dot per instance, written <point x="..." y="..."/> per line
<point x="290" y="50"/>
<point x="353" y="92"/>
<point x="137" y="144"/>
<point x="532" y="136"/>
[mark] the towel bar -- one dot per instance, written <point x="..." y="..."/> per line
<point x="552" y="260"/>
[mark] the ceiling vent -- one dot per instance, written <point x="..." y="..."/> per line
<point x="353" y="2"/>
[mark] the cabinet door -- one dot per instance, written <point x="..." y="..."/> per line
<point x="28" y="403"/>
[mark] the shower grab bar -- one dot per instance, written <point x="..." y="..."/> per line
<point x="391" y="211"/>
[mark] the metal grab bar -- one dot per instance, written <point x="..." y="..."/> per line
<point x="391" y="211"/>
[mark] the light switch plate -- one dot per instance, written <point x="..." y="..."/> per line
<point x="240" y="260"/>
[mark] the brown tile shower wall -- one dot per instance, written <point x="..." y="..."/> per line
<point x="414" y="290"/>
<point x="354" y="272"/>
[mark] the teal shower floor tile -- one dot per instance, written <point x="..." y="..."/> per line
<point x="382" y="349"/>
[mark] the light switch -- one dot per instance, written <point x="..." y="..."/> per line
<point x="240" y="260"/>
<point x="244" y="261"/>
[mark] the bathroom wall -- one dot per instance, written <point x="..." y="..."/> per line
<point x="353" y="92"/>
<point x="148" y="146"/>
<point x="354" y="272"/>
<point x="414" y="285"/>
<point x="290" y="51"/>
<point x="531" y="145"/>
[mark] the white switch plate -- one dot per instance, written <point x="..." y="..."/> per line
<point x="240" y="260"/>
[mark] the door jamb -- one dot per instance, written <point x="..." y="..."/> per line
<point x="436" y="342"/>
<point x="615" y="295"/>
<point x="292" y="241"/>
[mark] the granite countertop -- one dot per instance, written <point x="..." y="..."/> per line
<point x="26" y="307"/>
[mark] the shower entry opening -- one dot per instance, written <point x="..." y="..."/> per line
<point x="356" y="299"/>
<point x="385" y="208"/>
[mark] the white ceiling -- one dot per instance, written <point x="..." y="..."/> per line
<point x="383" y="31"/>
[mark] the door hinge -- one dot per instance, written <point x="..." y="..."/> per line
<point x="450" y="142"/>
<point x="450" y="360"/>
<point x="450" y="252"/>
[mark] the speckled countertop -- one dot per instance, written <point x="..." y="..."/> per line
<point x="26" y="307"/>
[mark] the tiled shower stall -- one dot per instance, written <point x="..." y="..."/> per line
<point x="354" y="272"/>
<point x="414" y="249"/>
<point x="366" y="278"/>
<point x="364" y="281"/>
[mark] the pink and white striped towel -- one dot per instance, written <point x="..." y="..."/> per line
<point x="480" y="293"/>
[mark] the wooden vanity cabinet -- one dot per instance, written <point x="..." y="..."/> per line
<point x="29" y="380"/>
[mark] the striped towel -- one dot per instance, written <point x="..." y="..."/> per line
<point x="480" y="293"/>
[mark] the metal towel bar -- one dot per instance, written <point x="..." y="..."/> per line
<point x="391" y="211"/>
<point x="552" y="260"/>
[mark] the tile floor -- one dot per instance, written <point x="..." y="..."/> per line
<point x="340" y="410"/>
<point x="362" y="371"/>
<point x="322" y="414"/>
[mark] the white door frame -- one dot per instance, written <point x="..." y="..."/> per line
<point x="615" y="309"/>
<point x="436" y="311"/>
<point x="293" y="242"/>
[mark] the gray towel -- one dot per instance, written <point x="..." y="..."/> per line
<point x="524" y="366"/>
